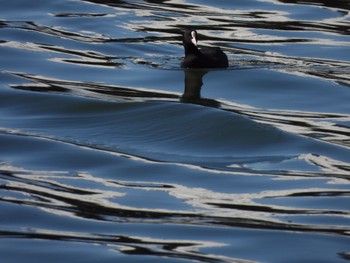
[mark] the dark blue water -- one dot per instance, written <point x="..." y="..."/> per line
<point x="110" y="152"/>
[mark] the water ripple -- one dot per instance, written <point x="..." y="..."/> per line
<point x="42" y="189"/>
<point x="110" y="151"/>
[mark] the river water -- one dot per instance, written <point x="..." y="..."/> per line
<point x="110" y="152"/>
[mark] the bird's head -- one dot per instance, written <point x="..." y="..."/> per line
<point x="190" y="37"/>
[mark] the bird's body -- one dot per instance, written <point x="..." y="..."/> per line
<point x="206" y="57"/>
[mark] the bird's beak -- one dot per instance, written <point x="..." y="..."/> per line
<point x="194" y="39"/>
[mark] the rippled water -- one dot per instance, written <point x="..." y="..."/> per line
<point x="112" y="153"/>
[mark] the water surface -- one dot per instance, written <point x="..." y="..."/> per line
<point x="111" y="152"/>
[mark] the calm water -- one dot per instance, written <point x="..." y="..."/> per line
<point x="112" y="153"/>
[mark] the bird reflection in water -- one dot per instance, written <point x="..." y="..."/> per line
<point x="193" y="85"/>
<point x="193" y="82"/>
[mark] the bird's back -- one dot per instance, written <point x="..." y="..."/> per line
<point x="214" y="57"/>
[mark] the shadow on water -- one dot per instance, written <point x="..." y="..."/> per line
<point x="192" y="89"/>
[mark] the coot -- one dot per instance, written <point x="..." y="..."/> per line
<point x="206" y="57"/>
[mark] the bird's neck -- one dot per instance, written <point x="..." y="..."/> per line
<point x="191" y="49"/>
